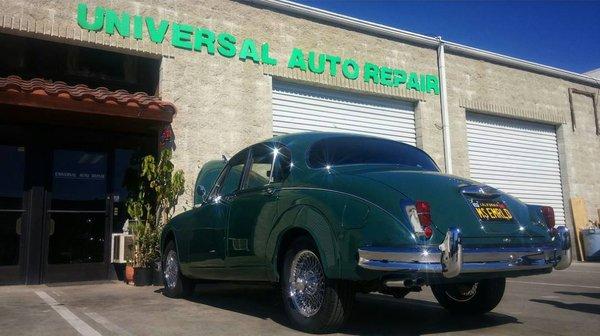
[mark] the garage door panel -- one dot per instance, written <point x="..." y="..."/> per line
<point x="361" y="115"/>
<point x="291" y="100"/>
<point x="522" y="148"/>
<point x="340" y="126"/>
<point x="322" y="116"/>
<point x="517" y="157"/>
<point x="299" y="108"/>
<point x="516" y="133"/>
<point x="531" y="156"/>
<point x="313" y="92"/>
<point x="515" y="171"/>
<point x="506" y="161"/>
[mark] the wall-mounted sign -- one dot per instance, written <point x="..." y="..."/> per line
<point x="200" y="39"/>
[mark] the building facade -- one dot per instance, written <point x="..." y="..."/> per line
<point x="232" y="73"/>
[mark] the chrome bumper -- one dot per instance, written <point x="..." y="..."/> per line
<point x="450" y="258"/>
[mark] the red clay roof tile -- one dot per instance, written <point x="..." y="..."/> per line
<point x="81" y="92"/>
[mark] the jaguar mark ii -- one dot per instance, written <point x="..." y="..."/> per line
<point x="327" y="215"/>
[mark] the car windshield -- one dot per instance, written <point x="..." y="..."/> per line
<point x="349" y="150"/>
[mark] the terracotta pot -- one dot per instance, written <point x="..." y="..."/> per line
<point x="129" y="274"/>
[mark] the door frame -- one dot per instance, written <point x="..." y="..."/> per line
<point x="39" y="142"/>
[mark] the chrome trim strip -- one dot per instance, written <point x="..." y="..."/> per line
<point x="450" y="258"/>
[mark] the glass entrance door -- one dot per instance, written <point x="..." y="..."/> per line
<point x="76" y="216"/>
<point x="12" y="176"/>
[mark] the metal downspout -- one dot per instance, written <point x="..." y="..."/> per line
<point x="444" y="105"/>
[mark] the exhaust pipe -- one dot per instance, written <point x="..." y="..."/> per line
<point x="405" y="283"/>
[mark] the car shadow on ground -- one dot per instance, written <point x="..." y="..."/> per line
<point x="580" y="307"/>
<point x="372" y="313"/>
<point x="589" y="295"/>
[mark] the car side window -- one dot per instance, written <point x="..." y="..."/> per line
<point x="282" y="165"/>
<point x="235" y="170"/>
<point x="259" y="174"/>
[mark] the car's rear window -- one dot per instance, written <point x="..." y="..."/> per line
<point x="347" y="150"/>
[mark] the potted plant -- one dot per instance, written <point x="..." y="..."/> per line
<point x="591" y="241"/>
<point x="152" y="207"/>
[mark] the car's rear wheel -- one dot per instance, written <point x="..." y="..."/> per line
<point x="312" y="302"/>
<point x="176" y="284"/>
<point x="472" y="298"/>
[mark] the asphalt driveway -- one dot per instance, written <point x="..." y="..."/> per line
<point x="561" y="303"/>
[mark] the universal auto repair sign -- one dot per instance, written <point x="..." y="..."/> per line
<point x="223" y="44"/>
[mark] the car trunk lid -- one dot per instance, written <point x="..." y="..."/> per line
<point x="454" y="202"/>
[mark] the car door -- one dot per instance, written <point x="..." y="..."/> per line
<point x="252" y="214"/>
<point x="208" y="241"/>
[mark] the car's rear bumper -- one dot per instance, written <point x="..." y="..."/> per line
<point x="450" y="258"/>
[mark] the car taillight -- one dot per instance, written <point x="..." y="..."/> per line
<point x="548" y="213"/>
<point x="424" y="214"/>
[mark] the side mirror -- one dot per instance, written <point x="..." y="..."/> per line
<point x="200" y="194"/>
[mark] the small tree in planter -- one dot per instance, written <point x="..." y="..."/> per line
<point x="152" y="207"/>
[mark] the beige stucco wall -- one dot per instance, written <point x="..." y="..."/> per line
<point x="225" y="104"/>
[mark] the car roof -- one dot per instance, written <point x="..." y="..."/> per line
<point x="316" y="136"/>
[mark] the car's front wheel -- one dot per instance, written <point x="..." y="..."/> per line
<point x="176" y="284"/>
<point x="472" y="298"/>
<point x="312" y="302"/>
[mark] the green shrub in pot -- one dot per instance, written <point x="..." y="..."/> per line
<point x="150" y="208"/>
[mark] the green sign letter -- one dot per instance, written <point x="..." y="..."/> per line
<point x="433" y="84"/>
<point x="318" y="69"/>
<point x="399" y="77"/>
<point x="413" y="82"/>
<point x="226" y="45"/>
<point x="138" y="24"/>
<point x="182" y="36"/>
<point x="386" y="76"/>
<point x="350" y="74"/>
<point x="248" y="50"/>
<point x="371" y="73"/>
<point x="120" y="24"/>
<point x="264" y="55"/>
<point x="204" y="37"/>
<point x="333" y="63"/>
<point x="157" y="35"/>
<point x="82" y="11"/>
<point x="297" y="60"/>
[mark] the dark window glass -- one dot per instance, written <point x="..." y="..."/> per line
<point x="231" y="181"/>
<point x="12" y="170"/>
<point x="31" y="58"/>
<point x="79" y="180"/>
<point x="77" y="221"/>
<point x="345" y="150"/>
<point x="281" y="168"/>
<point x="125" y="182"/>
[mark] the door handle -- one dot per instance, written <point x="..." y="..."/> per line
<point x="51" y="225"/>
<point x="271" y="191"/>
<point x="18" y="226"/>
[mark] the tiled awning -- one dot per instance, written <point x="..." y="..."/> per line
<point x="41" y="93"/>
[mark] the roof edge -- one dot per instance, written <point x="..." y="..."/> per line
<point x="368" y="26"/>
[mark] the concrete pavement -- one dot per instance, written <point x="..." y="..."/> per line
<point x="561" y="303"/>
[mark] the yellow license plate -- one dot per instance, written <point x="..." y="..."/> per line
<point x="492" y="211"/>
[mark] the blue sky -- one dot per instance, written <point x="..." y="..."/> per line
<point x="563" y="34"/>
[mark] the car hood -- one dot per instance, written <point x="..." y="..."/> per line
<point x="451" y="208"/>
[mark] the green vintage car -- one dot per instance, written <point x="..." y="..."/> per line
<point x="328" y="214"/>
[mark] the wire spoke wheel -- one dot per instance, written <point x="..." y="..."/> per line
<point x="171" y="269"/>
<point x="462" y="292"/>
<point x="306" y="285"/>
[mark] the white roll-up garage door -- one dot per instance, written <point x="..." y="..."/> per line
<point x="518" y="157"/>
<point x="300" y="108"/>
